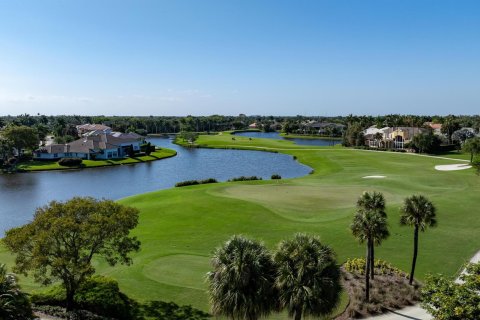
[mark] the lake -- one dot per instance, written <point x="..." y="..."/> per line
<point x="323" y="142"/>
<point x="21" y="193"/>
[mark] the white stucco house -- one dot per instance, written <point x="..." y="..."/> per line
<point x="94" y="145"/>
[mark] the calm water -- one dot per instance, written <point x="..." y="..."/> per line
<point x="275" y="135"/>
<point x="21" y="193"/>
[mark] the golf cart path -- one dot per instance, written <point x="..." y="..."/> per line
<point x="415" y="312"/>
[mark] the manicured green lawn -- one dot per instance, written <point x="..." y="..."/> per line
<point x="53" y="165"/>
<point x="179" y="228"/>
<point x="308" y="136"/>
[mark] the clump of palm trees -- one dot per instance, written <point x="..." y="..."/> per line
<point x="370" y="226"/>
<point x="248" y="282"/>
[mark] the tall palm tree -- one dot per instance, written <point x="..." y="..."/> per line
<point x="374" y="203"/>
<point x="242" y="283"/>
<point x="308" y="277"/>
<point x="370" y="225"/>
<point x="419" y="212"/>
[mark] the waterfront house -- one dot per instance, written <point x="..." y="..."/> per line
<point x="89" y="128"/>
<point x="93" y="145"/>
<point x="390" y="137"/>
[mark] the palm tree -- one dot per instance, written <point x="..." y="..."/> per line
<point x="419" y="212"/>
<point x="241" y="285"/>
<point x="14" y="304"/>
<point x="308" y="277"/>
<point x="370" y="225"/>
<point x="374" y="202"/>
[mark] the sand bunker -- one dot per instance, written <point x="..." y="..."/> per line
<point x="453" y="167"/>
<point x="374" y="177"/>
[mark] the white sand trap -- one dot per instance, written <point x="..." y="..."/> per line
<point x="453" y="167"/>
<point x="374" y="177"/>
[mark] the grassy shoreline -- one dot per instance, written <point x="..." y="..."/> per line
<point x="308" y="137"/>
<point x="39" y="166"/>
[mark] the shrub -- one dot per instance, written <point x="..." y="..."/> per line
<point x="357" y="265"/>
<point x="244" y="178"/>
<point x="14" y="303"/>
<point x="99" y="295"/>
<point x="171" y="311"/>
<point x="61" y="313"/>
<point x="70" y="162"/>
<point x="195" y="182"/>
<point x="276" y="176"/>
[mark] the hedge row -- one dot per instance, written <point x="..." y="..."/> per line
<point x="194" y="182"/>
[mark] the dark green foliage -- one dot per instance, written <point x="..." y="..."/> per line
<point x="22" y="137"/>
<point x="99" y="295"/>
<point x="70" y="162"/>
<point x="195" y="182"/>
<point x="426" y="143"/>
<point x="244" y="178"/>
<point x="472" y="146"/>
<point x="276" y="176"/>
<point x="56" y="311"/>
<point x="308" y="277"/>
<point x="353" y="136"/>
<point x="241" y="285"/>
<point x="148" y="148"/>
<point x="446" y="300"/>
<point x="14" y="304"/>
<point x="171" y="311"/>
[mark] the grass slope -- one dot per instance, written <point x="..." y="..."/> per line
<point x="53" y="165"/>
<point x="179" y="228"/>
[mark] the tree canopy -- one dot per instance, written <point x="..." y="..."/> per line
<point x="446" y="299"/>
<point x="63" y="238"/>
<point x="22" y="137"/>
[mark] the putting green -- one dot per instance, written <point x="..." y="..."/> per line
<point x="177" y="270"/>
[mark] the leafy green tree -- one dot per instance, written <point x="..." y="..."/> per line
<point x="445" y="299"/>
<point x="14" y="304"/>
<point x="308" y="278"/>
<point x="63" y="238"/>
<point x="426" y="142"/>
<point x="369" y="225"/>
<point x="353" y="136"/>
<point x="449" y="126"/>
<point x="188" y="136"/>
<point x="241" y="285"/>
<point x="472" y="146"/>
<point x="22" y="137"/>
<point x="417" y="211"/>
<point x="374" y="203"/>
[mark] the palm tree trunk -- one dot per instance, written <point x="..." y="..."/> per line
<point x="372" y="261"/>
<point x="415" y="252"/>
<point x="298" y="314"/>
<point x="367" y="274"/>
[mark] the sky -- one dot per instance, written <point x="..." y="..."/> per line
<point x="203" y="57"/>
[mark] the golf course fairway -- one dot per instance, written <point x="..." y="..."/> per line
<point x="179" y="228"/>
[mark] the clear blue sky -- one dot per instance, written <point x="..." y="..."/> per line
<point x="205" y="57"/>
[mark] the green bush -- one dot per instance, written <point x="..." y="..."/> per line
<point x="70" y="162"/>
<point x="99" y="295"/>
<point x="14" y="303"/>
<point x="357" y="265"/>
<point x="195" y="182"/>
<point x="276" y="177"/>
<point x="171" y="311"/>
<point x="55" y="311"/>
<point x="244" y="178"/>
